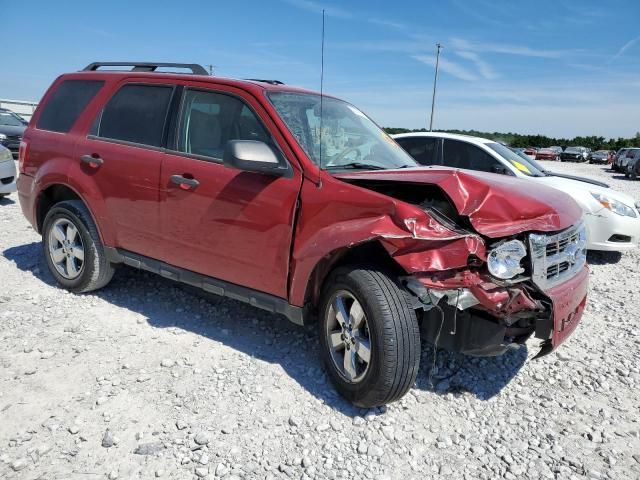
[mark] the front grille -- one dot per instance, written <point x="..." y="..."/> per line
<point x="557" y="257"/>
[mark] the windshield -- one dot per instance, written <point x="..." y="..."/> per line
<point x="574" y="150"/>
<point x="524" y="164"/>
<point x="11" y="119"/>
<point x="349" y="138"/>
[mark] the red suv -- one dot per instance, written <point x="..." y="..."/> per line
<point x="299" y="204"/>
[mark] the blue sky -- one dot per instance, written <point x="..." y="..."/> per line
<point x="556" y="67"/>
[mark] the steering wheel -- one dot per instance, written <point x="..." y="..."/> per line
<point x="346" y="152"/>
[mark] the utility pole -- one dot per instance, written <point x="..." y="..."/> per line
<point x="435" y="82"/>
<point x="210" y="69"/>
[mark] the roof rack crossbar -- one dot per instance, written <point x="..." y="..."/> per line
<point x="271" y="82"/>
<point x="147" y="66"/>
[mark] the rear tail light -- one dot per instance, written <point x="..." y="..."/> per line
<point x="22" y="156"/>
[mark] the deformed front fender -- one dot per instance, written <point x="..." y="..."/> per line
<point x="411" y="237"/>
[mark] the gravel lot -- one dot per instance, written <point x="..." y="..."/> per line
<point x="148" y="379"/>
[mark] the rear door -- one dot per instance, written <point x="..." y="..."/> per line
<point x="224" y="223"/>
<point x="123" y="154"/>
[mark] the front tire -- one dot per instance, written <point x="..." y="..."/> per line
<point x="72" y="248"/>
<point x="370" y="341"/>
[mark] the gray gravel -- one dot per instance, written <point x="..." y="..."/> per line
<point x="177" y="385"/>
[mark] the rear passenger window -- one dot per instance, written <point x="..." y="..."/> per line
<point x="137" y="114"/>
<point x="66" y="103"/>
<point x="209" y="120"/>
<point x="464" y="155"/>
<point x="424" y="150"/>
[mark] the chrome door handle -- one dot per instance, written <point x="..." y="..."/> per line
<point x="93" y="161"/>
<point x="184" y="182"/>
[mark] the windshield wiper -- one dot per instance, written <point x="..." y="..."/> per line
<point x="357" y="166"/>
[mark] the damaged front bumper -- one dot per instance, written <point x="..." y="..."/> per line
<point x="469" y="312"/>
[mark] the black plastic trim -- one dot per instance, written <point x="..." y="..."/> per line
<point x="264" y="301"/>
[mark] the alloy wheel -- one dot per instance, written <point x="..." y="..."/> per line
<point x="348" y="336"/>
<point x="66" y="249"/>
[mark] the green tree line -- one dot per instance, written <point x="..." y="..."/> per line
<point x="517" y="140"/>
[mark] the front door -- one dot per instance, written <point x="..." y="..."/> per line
<point x="228" y="224"/>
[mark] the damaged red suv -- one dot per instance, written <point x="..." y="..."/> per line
<point x="297" y="204"/>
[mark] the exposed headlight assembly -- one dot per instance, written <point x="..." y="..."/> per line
<point x="615" y="206"/>
<point x="3" y="136"/>
<point x="504" y="260"/>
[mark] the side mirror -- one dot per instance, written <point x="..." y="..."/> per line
<point x="254" y="156"/>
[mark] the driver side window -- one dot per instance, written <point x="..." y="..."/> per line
<point x="209" y="120"/>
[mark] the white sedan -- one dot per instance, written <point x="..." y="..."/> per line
<point x="7" y="172"/>
<point x="612" y="218"/>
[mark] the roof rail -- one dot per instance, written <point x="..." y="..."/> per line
<point x="147" y="66"/>
<point x="270" y="82"/>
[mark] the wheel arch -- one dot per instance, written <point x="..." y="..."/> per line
<point x="373" y="253"/>
<point x="55" y="193"/>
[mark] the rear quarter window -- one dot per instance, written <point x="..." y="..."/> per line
<point x="66" y="103"/>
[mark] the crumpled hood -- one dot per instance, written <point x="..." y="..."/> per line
<point x="496" y="205"/>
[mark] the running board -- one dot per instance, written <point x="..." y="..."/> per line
<point x="254" y="298"/>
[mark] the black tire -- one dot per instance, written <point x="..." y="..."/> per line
<point x="633" y="175"/>
<point x="393" y="332"/>
<point x="96" y="271"/>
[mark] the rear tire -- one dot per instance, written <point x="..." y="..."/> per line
<point x="72" y="248"/>
<point x="379" y="322"/>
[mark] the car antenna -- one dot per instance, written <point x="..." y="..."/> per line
<point x="321" y="86"/>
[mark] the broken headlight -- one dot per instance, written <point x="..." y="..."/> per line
<point x="504" y="260"/>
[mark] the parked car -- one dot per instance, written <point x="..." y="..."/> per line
<point x="575" y="154"/>
<point x="7" y="172"/>
<point x="622" y="159"/>
<point x="12" y="127"/>
<point x="231" y="186"/>
<point x="612" y="218"/>
<point x="551" y="173"/>
<point x="530" y="152"/>
<point x="547" y="154"/>
<point x="599" y="156"/>
<point x="556" y="149"/>
<point x="633" y="165"/>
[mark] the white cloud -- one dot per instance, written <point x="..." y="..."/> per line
<point x="388" y="23"/>
<point x="554" y="107"/>
<point x="452" y="68"/>
<point x="626" y="47"/>
<point x="483" y="67"/>
<point x="508" y="49"/>
<point x="317" y="7"/>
